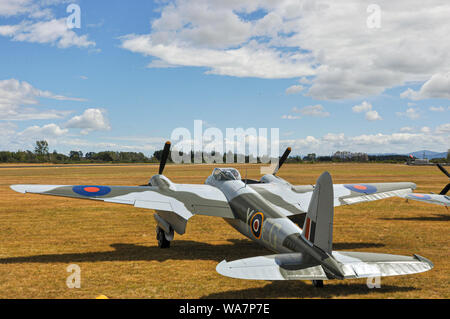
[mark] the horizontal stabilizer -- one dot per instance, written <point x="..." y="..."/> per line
<point x="292" y="266"/>
<point x="296" y="266"/>
<point x="363" y="265"/>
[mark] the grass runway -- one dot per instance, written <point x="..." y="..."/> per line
<point x="116" y="248"/>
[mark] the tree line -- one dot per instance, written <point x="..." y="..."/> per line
<point x="41" y="154"/>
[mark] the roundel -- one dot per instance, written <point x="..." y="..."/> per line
<point x="420" y="196"/>
<point x="361" y="188"/>
<point x="256" y="224"/>
<point x="91" y="191"/>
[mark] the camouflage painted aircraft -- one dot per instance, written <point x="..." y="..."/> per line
<point x="439" y="199"/>
<point x="267" y="211"/>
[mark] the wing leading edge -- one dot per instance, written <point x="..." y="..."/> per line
<point x="183" y="199"/>
<point x="293" y="200"/>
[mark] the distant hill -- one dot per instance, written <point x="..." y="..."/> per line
<point x="420" y="154"/>
<point x="429" y="154"/>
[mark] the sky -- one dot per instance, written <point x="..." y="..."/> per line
<point x="351" y="75"/>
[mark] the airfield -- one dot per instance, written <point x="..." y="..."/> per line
<point x="116" y="248"/>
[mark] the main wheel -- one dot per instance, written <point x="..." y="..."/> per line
<point x="318" y="283"/>
<point x="161" y="237"/>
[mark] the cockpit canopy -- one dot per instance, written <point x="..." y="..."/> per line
<point x="226" y="174"/>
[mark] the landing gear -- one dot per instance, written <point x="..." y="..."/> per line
<point x="161" y="237"/>
<point x="318" y="283"/>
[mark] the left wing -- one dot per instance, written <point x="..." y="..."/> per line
<point x="292" y="200"/>
<point x="429" y="198"/>
<point x="183" y="199"/>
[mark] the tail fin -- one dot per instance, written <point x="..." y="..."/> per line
<point x="318" y="227"/>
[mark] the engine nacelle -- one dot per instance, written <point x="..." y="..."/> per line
<point x="162" y="182"/>
<point x="269" y="178"/>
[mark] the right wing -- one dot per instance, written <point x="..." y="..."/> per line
<point x="296" y="266"/>
<point x="429" y="198"/>
<point x="183" y="199"/>
<point x="292" y="200"/>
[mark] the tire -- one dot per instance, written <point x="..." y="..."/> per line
<point x="318" y="283"/>
<point x="161" y="237"/>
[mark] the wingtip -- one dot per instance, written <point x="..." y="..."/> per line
<point x="424" y="260"/>
<point x="18" y="188"/>
<point x="221" y="267"/>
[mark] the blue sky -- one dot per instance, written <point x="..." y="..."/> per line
<point x="137" y="70"/>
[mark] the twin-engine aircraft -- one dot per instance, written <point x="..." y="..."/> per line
<point x="268" y="212"/>
<point x="439" y="199"/>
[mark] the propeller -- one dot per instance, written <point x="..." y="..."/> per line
<point x="283" y="158"/>
<point x="445" y="190"/>
<point x="164" y="156"/>
<point x="162" y="163"/>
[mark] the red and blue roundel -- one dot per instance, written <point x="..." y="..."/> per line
<point x="419" y="196"/>
<point x="256" y="224"/>
<point x="361" y="188"/>
<point x="91" y="191"/>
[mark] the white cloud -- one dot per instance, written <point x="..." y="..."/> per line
<point x="312" y="110"/>
<point x="328" y="41"/>
<point x="294" y="89"/>
<point x="16" y="97"/>
<point x="444" y="129"/>
<point x="411" y="113"/>
<point x="14" y="7"/>
<point x="425" y="129"/>
<point x="437" y="109"/>
<point x="40" y="25"/>
<point x="407" y="129"/>
<point x="291" y="117"/>
<point x="438" y="86"/>
<point x="46" y="131"/>
<point x="91" y="120"/>
<point x="401" y="143"/>
<point x="363" y="107"/>
<point x="371" y="115"/>
<point x="55" y="32"/>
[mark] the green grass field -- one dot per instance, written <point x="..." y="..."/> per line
<point x="115" y="245"/>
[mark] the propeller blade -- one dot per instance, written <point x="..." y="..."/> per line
<point x="445" y="190"/>
<point x="443" y="170"/>
<point x="164" y="156"/>
<point x="283" y="158"/>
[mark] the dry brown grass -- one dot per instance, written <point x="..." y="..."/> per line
<point x="116" y="249"/>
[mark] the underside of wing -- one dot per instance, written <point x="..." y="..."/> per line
<point x="183" y="199"/>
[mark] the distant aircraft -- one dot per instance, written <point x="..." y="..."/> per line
<point x="266" y="211"/>
<point x="440" y="199"/>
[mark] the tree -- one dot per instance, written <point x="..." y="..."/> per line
<point x="75" y="155"/>
<point x="41" y="148"/>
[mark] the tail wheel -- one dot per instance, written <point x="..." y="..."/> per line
<point x="161" y="237"/>
<point x="318" y="283"/>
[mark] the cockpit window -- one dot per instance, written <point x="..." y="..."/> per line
<point x="226" y="174"/>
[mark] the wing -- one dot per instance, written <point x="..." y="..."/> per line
<point x="296" y="266"/>
<point x="183" y="199"/>
<point x="430" y="198"/>
<point x="292" y="200"/>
